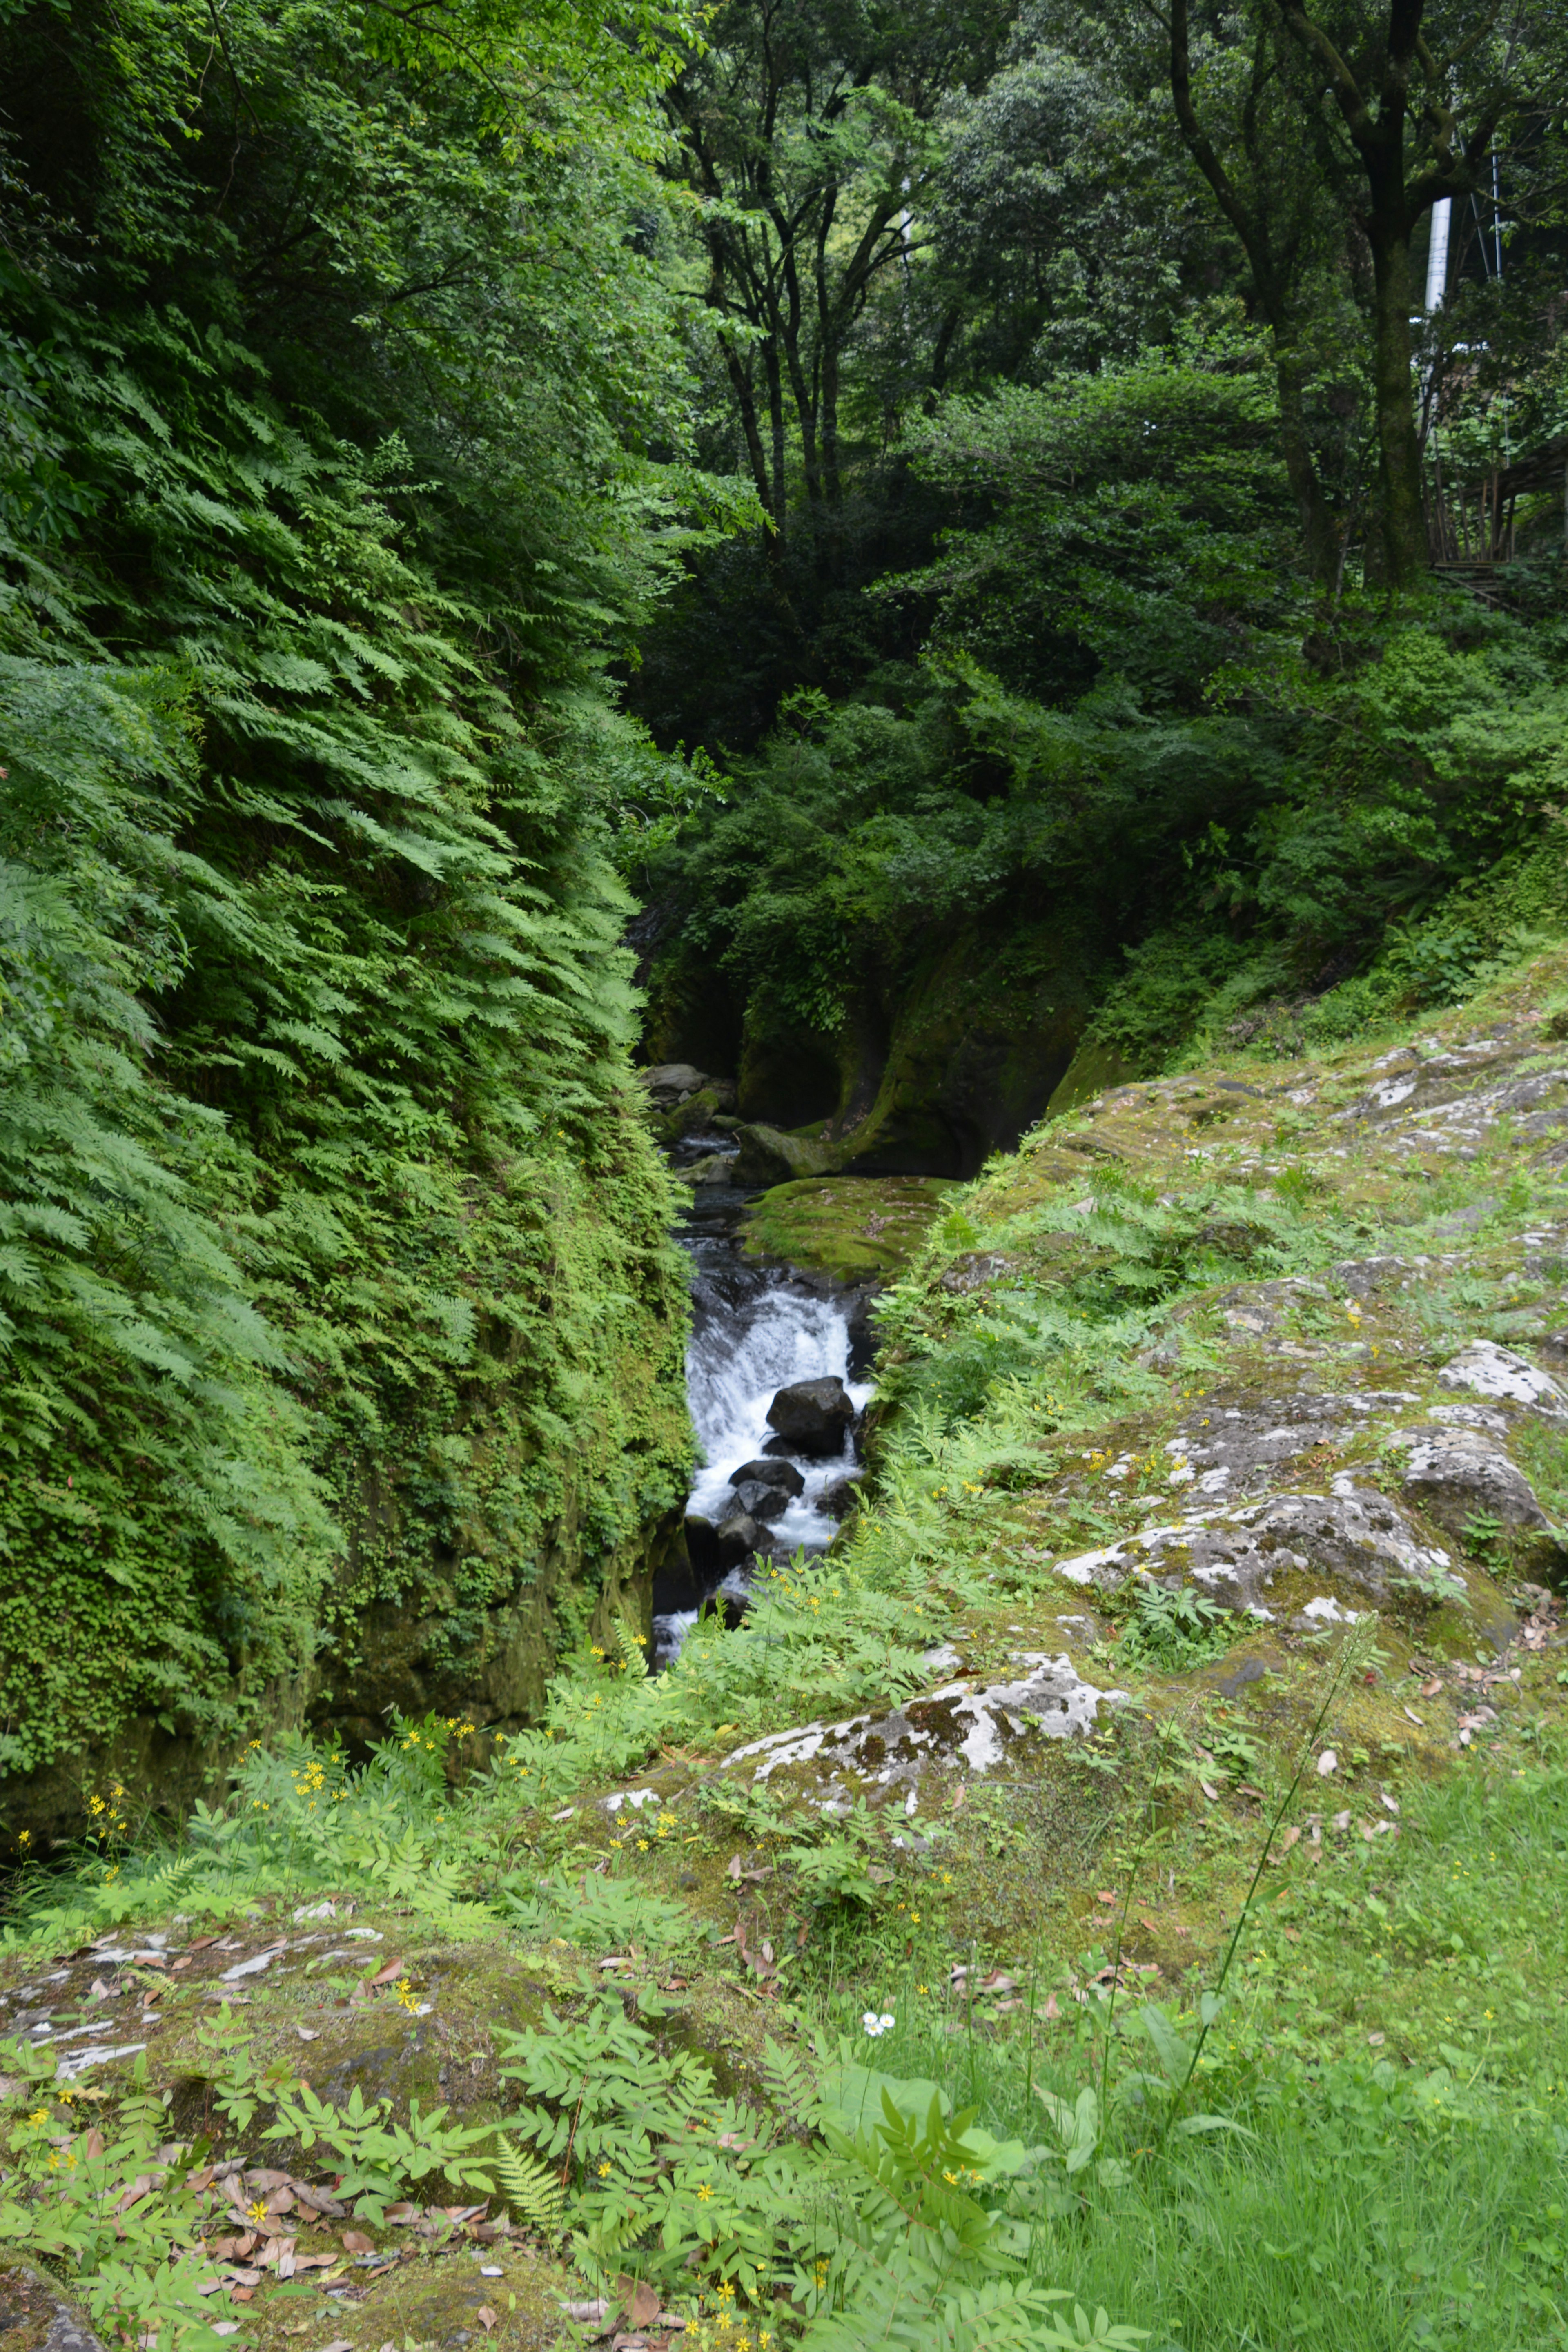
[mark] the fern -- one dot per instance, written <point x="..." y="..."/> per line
<point x="334" y="1267"/>
<point x="531" y="2190"/>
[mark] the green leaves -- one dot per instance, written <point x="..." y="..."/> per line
<point x="315" y="1139"/>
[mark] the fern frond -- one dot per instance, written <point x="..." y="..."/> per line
<point x="533" y="2192"/>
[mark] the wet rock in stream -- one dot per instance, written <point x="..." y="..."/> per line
<point x="813" y="1416"/>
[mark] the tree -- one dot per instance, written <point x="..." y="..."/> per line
<point x="807" y="132"/>
<point x="1382" y="107"/>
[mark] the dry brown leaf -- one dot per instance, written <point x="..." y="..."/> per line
<point x="356" y="2242"/>
<point x="638" y="2301"/>
<point x="489" y="2320"/>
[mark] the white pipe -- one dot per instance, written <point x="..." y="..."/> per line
<point x="1438" y="253"/>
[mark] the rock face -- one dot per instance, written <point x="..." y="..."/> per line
<point x="713" y="1168"/>
<point x="813" y="1417"/>
<point x="1354" y="1542"/>
<point x="34" y="2314"/>
<point x="1485" y="1369"/>
<point x="971" y="1728"/>
<point x="1456" y="1475"/>
<point x="675" y="1083"/>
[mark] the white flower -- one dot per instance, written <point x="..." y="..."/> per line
<point x="875" y="2024"/>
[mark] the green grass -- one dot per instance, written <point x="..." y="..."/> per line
<point x="1398" y="2058"/>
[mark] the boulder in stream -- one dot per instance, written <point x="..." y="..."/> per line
<point x="763" y="1503"/>
<point x="840" y="1497"/>
<point x="813" y="1416"/>
<point x="769" y="1156"/>
<point x="738" y="1539"/>
<point x="769" y="1472"/>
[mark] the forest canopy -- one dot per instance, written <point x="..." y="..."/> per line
<point x="1178" y="508"/>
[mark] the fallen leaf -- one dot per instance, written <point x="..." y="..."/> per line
<point x="1050" y="2012"/>
<point x="308" y="2032"/>
<point x="95" y="2142"/>
<point x="1430" y="1689"/>
<point x="356" y="2242"/>
<point x="639" y="2301"/>
<point x="489" y="2320"/>
<point x="1103" y="1897"/>
<point x="338" y="2344"/>
<point x="242" y="2294"/>
<point x="322" y="2201"/>
<point x="1341" y="1820"/>
<point x="1377" y="2040"/>
<point x="1210" y="1792"/>
<point x="1419" y="1720"/>
<point x="1327" y="1762"/>
<point x="580" y="2312"/>
<point x="98" y="1991"/>
<point x="1392" y="1802"/>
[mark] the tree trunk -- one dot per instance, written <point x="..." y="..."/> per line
<point x="1322" y="533"/>
<point x="1399" y="449"/>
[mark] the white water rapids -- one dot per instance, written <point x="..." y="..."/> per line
<point x="756" y="1331"/>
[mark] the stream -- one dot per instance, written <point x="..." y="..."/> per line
<point x="756" y="1328"/>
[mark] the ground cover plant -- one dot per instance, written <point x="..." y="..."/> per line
<point x="1235" y="2021"/>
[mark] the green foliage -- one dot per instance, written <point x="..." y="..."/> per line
<point x="330" y="1235"/>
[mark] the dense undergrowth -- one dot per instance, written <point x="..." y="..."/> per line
<point x="1129" y="2024"/>
<point x="336" y="1282"/>
<point x="926" y="2171"/>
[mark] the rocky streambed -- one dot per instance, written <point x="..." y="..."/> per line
<point x="777" y="1378"/>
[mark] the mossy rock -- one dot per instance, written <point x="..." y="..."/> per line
<point x="859" y="1228"/>
<point x="36" y="2314"/>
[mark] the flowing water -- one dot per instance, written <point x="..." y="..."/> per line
<point x="755" y="1330"/>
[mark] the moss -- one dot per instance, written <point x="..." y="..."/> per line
<point x="856" y="1228"/>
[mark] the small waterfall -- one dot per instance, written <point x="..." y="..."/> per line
<point x="751" y="1337"/>
<point x="755" y="1331"/>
